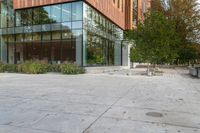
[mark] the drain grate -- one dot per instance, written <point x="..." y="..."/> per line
<point x="154" y="114"/>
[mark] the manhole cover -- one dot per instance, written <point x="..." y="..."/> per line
<point x="154" y="114"/>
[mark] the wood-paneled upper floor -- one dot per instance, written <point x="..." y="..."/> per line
<point x="115" y="10"/>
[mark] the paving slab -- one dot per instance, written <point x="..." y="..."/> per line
<point x="100" y="103"/>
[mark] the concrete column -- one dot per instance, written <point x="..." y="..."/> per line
<point x="126" y="54"/>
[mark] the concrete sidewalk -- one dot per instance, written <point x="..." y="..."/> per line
<point x="99" y="103"/>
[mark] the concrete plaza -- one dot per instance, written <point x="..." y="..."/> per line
<point x="100" y="103"/>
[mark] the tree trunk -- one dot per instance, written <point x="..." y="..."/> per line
<point x="148" y="70"/>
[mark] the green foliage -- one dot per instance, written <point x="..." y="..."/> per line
<point x="186" y="15"/>
<point x="188" y="53"/>
<point x="135" y="55"/>
<point x="33" y="67"/>
<point x="156" y="39"/>
<point x="39" y="67"/>
<point x="10" y="68"/>
<point x="1" y="67"/>
<point x="54" y="68"/>
<point x="71" y="68"/>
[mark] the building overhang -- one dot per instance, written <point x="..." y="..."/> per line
<point x="107" y="8"/>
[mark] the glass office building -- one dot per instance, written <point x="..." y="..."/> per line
<point x="72" y="31"/>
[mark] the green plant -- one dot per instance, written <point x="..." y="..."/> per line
<point x="10" y="68"/>
<point x="33" y="67"/>
<point x="155" y="40"/>
<point x="54" y="68"/>
<point x="1" y="67"/>
<point x="71" y="68"/>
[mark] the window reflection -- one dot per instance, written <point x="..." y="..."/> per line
<point x="37" y="36"/>
<point x="45" y="15"/>
<point x="66" y="30"/>
<point x="77" y="11"/>
<point x="46" y="36"/>
<point x="66" y="12"/>
<point x="101" y="36"/>
<point x="77" y="25"/>
<point x="54" y="33"/>
<point x="26" y="17"/>
<point x="36" y="15"/>
<point x="56" y="13"/>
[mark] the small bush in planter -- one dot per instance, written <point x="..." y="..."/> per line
<point x="10" y="68"/>
<point x="71" y="68"/>
<point x="54" y="68"/>
<point x="2" y="66"/>
<point x="33" y="67"/>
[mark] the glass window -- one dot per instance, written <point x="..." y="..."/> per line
<point x="56" y="28"/>
<point x="56" y="35"/>
<point x="27" y="37"/>
<point x="19" y="38"/>
<point x="66" y="30"/>
<point x="28" y="29"/>
<point x="36" y="50"/>
<point x="66" y="25"/>
<point x="46" y="51"/>
<point x="18" y="18"/>
<point x="11" y="38"/>
<point x="77" y="44"/>
<point x="77" y="33"/>
<point x="26" y="17"/>
<point x="45" y="13"/>
<point x="46" y="27"/>
<point x="36" y="36"/>
<point x="77" y="11"/>
<point x="46" y="36"/>
<point x="10" y="30"/>
<point x="3" y="15"/>
<point x="56" y="13"/>
<point x="36" y="15"/>
<point x="77" y="25"/>
<point x="10" y="19"/>
<point x="66" y="12"/>
<point x="37" y="28"/>
<point x="56" y="52"/>
<point x="4" y="31"/>
<point x="68" y="51"/>
<point x="19" y="30"/>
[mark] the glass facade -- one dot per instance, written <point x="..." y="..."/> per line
<point x="56" y="33"/>
<point x="102" y="39"/>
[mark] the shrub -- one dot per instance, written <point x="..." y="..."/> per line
<point x="33" y="67"/>
<point x="71" y="68"/>
<point x="11" y="68"/>
<point x="1" y="67"/>
<point x="54" y="68"/>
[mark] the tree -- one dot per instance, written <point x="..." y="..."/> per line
<point x="186" y="15"/>
<point x="135" y="55"/>
<point x="190" y="54"/>
<point x="156" y="39"/>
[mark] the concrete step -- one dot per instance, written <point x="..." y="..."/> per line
<point x="107" y="69"/>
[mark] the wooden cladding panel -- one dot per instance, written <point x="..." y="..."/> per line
<point x="110" y="10"/>
<point x="19" y="4"/>
<point x="128" y="14"/>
